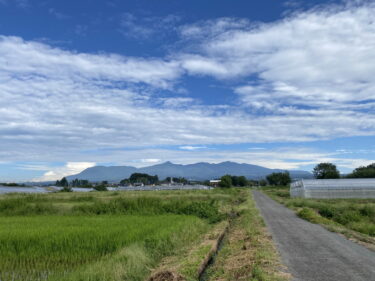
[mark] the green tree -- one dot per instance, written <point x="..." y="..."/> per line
<point x="281" y="179"/>
<point x="143" y="178"/>
<point x="63" y="182"/>
<point x="363" y="172"/>
<point x="326" y="171"/>
<point x="242" y="181"/>
<point x="100" y="187"/>
<point x="225" y="181"/>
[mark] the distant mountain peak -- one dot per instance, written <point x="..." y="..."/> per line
<point x="197" y="171"/>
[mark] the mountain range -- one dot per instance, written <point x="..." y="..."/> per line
<point x="197" y="171"/>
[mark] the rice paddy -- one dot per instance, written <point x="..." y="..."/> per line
<point x="34" y="248"/>
<point x="115" y="236"/>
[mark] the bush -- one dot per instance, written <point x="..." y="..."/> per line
<point x="368" y="211"/>
<point x="347" y="216"/>
<point x="100" y="187"/>
<point x="327" y="212"/>
<point x="308" y="214"/>
<point x="66" y="189"/>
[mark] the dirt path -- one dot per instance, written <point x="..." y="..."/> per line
<point x="311" y="252"/>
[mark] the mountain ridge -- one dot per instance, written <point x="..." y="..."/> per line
<point x="196" y="171"/>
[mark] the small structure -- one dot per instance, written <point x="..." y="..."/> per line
<point x="333" y="188"/>
<point x="214" y="183"/>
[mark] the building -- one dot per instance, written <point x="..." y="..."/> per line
<point x="214" y="183"/>
<point x="333" y="188"/>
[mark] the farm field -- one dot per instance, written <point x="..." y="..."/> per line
<point x="354" y="218"/>
<point x="115" y="235"/>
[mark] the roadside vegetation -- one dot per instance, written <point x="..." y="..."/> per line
<point x="353" y="217"/>
<point x="101" y="235"/>
<point x="130" y="235"/>
<point x="248" y="252"/>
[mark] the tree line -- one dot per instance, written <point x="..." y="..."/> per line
<point x="330" y="171"/>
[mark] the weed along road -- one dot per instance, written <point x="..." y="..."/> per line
<point x="311" y="252"/>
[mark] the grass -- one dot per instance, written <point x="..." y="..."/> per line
<point x="32" y="247"/>
<point x="352" y="217"/>
<point x="248" y="252"/>
<point x="101" y="236"/>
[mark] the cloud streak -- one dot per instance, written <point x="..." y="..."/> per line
<point x="304" y="78"/>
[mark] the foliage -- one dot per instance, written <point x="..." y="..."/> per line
<point x="66" y="189"/>
<point x="141" y="178"/>
<point x="11" y="184"/>
<point x="281" y="179"/>
<point x="326" y="171"/>
<point x="63" y="182"/>
<point x="80" y="183"/>
<point x="240" y="181"/>
<point x="363" y="172"/>
<point x="176" y="180"/>
<point x="262" y="182"/>
<point x="100" y="187"/>
<point x="225" y="181"/>
<point x="355" y="214"/>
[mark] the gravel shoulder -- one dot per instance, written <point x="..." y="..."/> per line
<point x="311" y="252"/>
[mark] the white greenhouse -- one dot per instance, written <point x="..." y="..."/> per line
<point x="333" y="188"/>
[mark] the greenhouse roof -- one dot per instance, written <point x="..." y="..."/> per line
<point x="335" y="184"/>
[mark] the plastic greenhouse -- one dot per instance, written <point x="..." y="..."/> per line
<point x="333" y="188"/>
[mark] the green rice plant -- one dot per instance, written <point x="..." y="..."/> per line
<point x="40" y="247"/>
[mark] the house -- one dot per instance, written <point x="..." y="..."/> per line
<point x="333" y="188"/>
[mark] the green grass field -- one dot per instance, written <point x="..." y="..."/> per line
<point x="113" y="236"/>
<point x="354" y="214"/>
<point x="35" y="247"/>
<point x="100" y="236"/>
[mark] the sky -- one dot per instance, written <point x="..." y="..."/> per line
<point x="281" y="84"/>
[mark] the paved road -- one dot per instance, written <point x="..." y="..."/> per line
<point x="311" y="252"/>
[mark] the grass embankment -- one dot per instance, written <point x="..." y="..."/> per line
<point x="247" y="251"/>
<point x="354" y="218"/>
<point x="101" y="236"/>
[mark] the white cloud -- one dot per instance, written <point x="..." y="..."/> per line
<point x="145" y="27"/>
<point x="25" y="60"/>
<point x="315" y="73"/>
<point x="321" y="57"/>
<point x="71" y="168"/>
<point x="152" y="160"/>
<point x="190" y="147"/>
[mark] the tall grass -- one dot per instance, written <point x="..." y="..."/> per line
<point x="355" y="214"/>
<point x="207" y="209"/>
<point x="34" y="248"/>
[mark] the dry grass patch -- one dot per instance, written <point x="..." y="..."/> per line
<point x="192" y="262"/>
<point x="248" y="252"/>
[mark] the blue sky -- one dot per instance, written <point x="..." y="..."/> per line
<point x="282" y="84"/>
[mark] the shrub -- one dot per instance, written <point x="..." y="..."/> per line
<point x="327" y="212"/>
<point x="347" y="216"/>
<point x="101" y="187"/>
<point x="368" y="211"/>
<point x="308" y="214"/>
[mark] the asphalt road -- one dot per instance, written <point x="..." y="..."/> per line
<point x="311" y="252"/>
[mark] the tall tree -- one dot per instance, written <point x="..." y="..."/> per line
<point x="363" y="172"/>
<point x="225" y="181"/>
<point x="326" y="171"/>
<point x="281" y="179"/>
